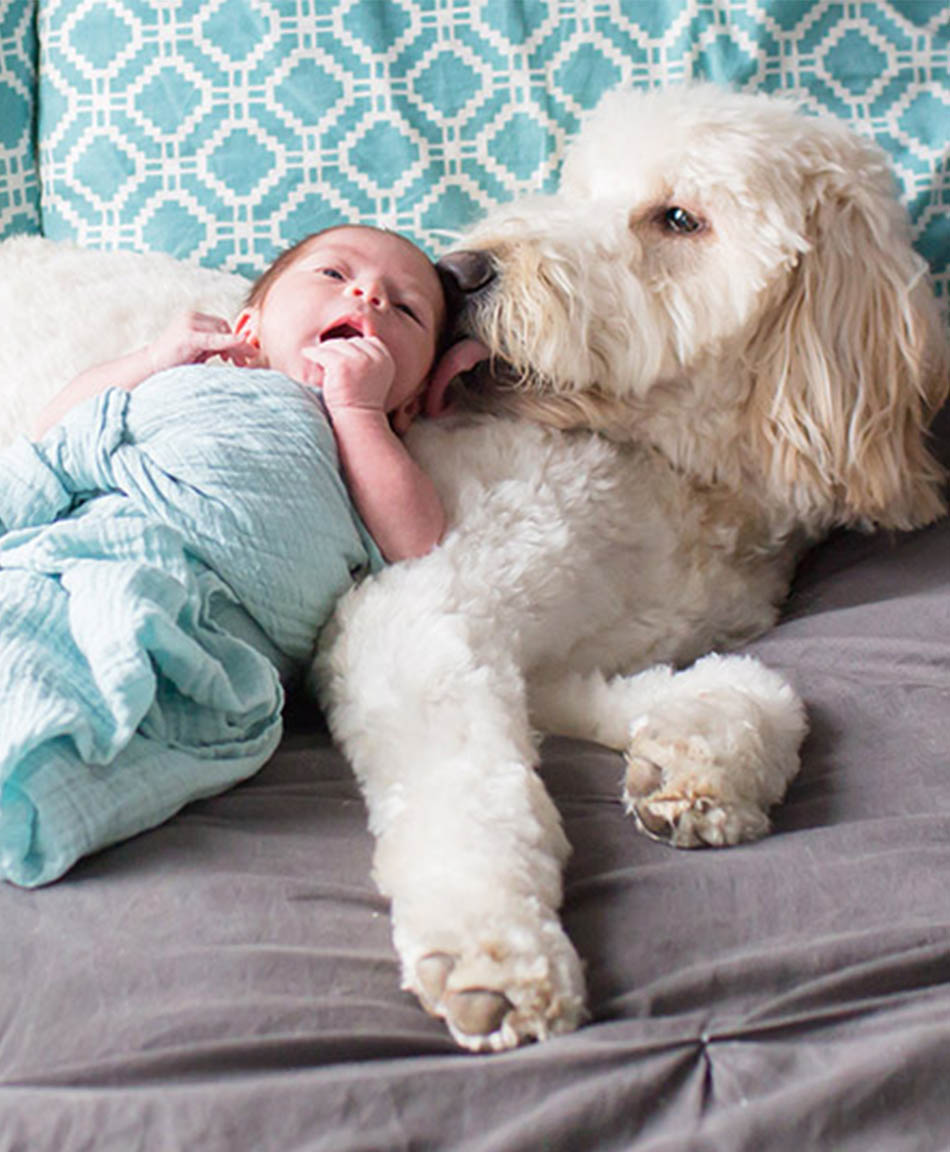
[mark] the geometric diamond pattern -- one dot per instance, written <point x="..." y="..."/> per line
<point x="222" y="130"/>
<point x="19" y="183"/>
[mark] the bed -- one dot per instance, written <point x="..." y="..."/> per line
<point x="227" y="980"/>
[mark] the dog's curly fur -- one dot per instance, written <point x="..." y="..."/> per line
<point x="715" y="344"/>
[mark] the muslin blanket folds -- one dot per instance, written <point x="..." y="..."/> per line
<point x="166" y="556"/>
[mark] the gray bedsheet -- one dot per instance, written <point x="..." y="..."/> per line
<point x="227" y="981"/>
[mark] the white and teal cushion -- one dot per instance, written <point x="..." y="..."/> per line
<point x="19" y="185"/>
<point x="221" y="130"/>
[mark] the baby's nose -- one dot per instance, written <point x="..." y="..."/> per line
<point x="370" y="291"/>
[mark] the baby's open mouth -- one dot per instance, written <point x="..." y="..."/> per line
<point x="342" y="331"/>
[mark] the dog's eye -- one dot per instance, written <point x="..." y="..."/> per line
<point x="680" y="221"/>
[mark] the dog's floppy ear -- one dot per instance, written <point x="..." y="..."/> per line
<point x="853" y="365"/>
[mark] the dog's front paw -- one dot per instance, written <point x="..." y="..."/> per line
<point x="679" y="793"/>
<point x="713" y="752"/>
<point x="499" y="993"/>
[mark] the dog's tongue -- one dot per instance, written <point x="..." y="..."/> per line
<point x="461" y="357"/>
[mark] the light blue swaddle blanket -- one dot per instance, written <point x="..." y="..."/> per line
<point x="166" y="555"/>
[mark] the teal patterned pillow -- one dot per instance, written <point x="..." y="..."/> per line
<point x="19" y="185"/>
<point x="221" y="130"/>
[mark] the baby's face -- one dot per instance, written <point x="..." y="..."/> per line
<point x="355" y="282"/>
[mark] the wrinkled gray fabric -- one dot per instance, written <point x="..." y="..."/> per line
<point x="227" y="981"/>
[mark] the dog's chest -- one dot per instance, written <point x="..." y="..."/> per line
<point x="593" y="546"/>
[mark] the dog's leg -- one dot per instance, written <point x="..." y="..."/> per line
<point x="709" y="750"/>
<point x="469" y="845"/>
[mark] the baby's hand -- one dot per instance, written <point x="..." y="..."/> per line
<point x="355" y="373"/>
<point x="193" y="338"/>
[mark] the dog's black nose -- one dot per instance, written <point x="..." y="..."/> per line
<point x="469" y="269"/>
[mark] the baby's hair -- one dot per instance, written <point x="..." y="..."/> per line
<point x="262" y="285"/>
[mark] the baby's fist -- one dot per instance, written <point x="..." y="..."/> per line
<point x="356" y="373"/>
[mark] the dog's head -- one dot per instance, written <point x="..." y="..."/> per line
<point x="734" y="282"/>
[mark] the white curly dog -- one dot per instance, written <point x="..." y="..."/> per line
<point x="724" y="292"/>
<point x="710" y="347"/>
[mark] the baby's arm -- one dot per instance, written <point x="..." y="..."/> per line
<point x="190" y="338"/>
<point x="395" y="497"/>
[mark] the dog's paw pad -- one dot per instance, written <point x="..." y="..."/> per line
<point x="432" y="973"/>
<point x="494" y="997"/>
<point x="477" y="1011"/>
<point x="473" y="1012"/>
<point x="697" y="821"/>
<point x="685" y="822"/>
<point x="687" y="793"/>
<point x="643" y="776"/>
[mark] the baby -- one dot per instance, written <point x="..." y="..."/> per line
<point x="177" y="534"/>
<point x="353" y="311"/>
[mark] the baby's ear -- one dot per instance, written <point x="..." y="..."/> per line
<point x="246" y="326"/>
